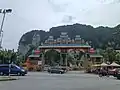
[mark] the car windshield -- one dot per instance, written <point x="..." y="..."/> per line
<point x="17" y="66"/>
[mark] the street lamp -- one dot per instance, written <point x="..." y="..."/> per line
<point x="3" y="11"/>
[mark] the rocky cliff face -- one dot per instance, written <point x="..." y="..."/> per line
<point x="101" y="36"/>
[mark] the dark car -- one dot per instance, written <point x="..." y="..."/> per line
<point x="64" y="68"/>
<point x="56" y="70"/>
<point x="5" y="69"/>
<point x="118" y="74"/>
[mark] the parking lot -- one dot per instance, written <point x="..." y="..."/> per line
<point x="68" y="81"/>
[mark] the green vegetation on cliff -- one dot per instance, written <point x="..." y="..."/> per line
<point x="101" y="37"/>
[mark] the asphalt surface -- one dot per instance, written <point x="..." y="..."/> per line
<point x="68" y="81"/>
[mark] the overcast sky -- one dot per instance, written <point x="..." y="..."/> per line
<point x="43" y="14"/>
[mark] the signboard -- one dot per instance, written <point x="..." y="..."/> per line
<point x="92" y="50"/>
<point x="39" y="62"/>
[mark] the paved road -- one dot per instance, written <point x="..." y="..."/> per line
<point x="69" y="81"/>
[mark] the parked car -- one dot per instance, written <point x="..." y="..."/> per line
<point x="64" y="68"/>
<point x="118" y="74"/>
<point x="113" y="72"/>
<point x="56" y="70"/>
<point x="46" y="67"/>
<point x="14" y="69"/>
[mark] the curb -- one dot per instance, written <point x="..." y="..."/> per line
<point x="8" y="79"/>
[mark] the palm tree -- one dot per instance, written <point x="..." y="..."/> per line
<point x="7" y="56"/>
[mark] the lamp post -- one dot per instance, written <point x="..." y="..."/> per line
<point x="9" y="67"/>
<point x="3" y="11"/>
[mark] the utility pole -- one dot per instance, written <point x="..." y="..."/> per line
<point x="3" y="11"/>
<point x="9" y="67"/>
<point x="43" y="61"/>
<point x="66" y="60"/>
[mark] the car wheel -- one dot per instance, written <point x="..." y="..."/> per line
<point x="118" y="78"/>
<point x="60" y="72"/>
<point x="23" y="74"/>
<point x="19" y="74"/>
<point x="1" y="73"/>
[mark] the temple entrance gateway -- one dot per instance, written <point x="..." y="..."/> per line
<point x="63" y="56"/>
<point x="63" y="51"/>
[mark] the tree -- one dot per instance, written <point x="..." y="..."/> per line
<point x="110" y="55"/>
<point x="52" y="57"/>
<point x="8" y="56"/>
<point x="70" y="58"/>
<point x="99" y="36"/>
<point x="118" y="57"/>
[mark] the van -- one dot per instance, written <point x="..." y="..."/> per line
<point x="13" y="69"/>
